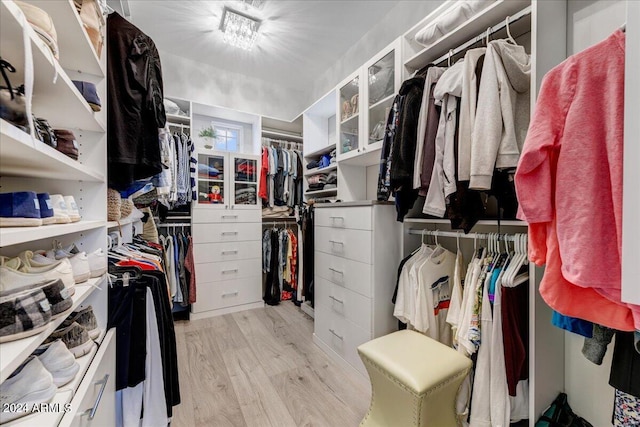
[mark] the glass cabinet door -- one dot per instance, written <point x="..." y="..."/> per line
<point x="381" y="90"/>
<point x="246" y="176"/>
<point x="211" y="176"/>
<point x="349" y="113"/>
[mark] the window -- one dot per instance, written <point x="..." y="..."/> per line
<point x="228" y="137"/>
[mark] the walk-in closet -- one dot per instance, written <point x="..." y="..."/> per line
<point x="317" y="213"/>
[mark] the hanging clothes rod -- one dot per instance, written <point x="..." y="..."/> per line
<point x="177" y="224"/>
<point x="458" y="234"/>
<point x="489" y="31"/>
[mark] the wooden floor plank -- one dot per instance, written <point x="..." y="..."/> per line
<point x="274" y="357"/>
<point x="261" y="368"/>
<point x="258" y="400"/>
<point x="214" y="400"/>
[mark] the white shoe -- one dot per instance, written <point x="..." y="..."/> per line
<point x="15" y="276"/>
<point x="79" y="263"/>
<point x="59" y="209"/>
<point x="72" y="208"/>
<point x="97" y="263"/>
<point x="60" y="362"/>
<point x="32" y="385"/>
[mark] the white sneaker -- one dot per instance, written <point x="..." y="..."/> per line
<point x="79" y="263"/>
<point x="60" y="362"/>
<point x="31" y="385"/>
<point x="72" y="208"/>
<point x="15" y="276"/>
<point x="97" y="263"/>
<point x="59" y="209"/>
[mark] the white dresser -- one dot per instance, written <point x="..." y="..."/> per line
<point x="357" y="253"/>
<point x="227" y="235"/>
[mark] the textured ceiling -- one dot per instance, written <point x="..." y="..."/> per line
<point x="298" y="40"/>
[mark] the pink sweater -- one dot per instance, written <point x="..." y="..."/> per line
<point x="569" y="185"/>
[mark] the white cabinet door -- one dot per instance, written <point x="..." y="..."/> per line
<point x="244" y="181"/>
<point x="349" y="117"/>
<point x="213" y="181"/>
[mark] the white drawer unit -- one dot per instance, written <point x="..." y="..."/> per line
<point x="344" y="302"/>
<point x="227" y="270"/>
<point x="219" y="233"/>
<point x="345" y="243"/>
<point x="214" y="216"/>
<point x="350" y="274"/>
<point x="356" y="218"/>
<point x="229" y="293"/>
<point x="228" y="257"/>
<point x="230" y="251"/>
<point x="94" y="403"/>
<point x="357" y="253"/>
<point x="342" y="336"/>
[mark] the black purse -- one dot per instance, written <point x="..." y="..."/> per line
<point x="13" y="103"/>
<point x="44" y="132"/>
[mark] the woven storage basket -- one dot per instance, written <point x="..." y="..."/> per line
<point x="114" y="202"/>
<point x="125" y="208"/>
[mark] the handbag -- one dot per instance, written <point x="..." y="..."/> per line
<point x="92" y="21"/>
<point x="560" y="414"/>
<point x="13" y="103"/>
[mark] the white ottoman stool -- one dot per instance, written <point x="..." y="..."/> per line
<point x="414" y="381"/>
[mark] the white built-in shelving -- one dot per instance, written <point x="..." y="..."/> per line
<point x="323" y="192"/>
<point x="13" y="353"/>
<point x="315" y="171"/>
<point x="27" y="164"/>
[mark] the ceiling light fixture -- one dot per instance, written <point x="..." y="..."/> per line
<point x="254" y="3"/>
<point x="239" y="30"/>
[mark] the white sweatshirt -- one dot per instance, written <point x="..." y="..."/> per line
<point x="502" y="113"/>
<point x="468" y="105"/>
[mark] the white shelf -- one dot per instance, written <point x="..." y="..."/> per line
<point x="178" y="119"/>
<point x="18" y="148"/>
<point x="282" y="135"/>
<point x="319" y="192"/>
<point x="325" y="150"/>
<point x="65" y="394"/>
<point x="464" y="32"/>
<point x="331" y="167"/>
<point x="13" y="353"/>
<point x="484" y="222"/>
<point x="115" y="224"/>
<point x="60" y="104"/>
<point x="76" y="51"/>
<point x="383" y="101"/>
<point x="15" y="235"/>
<point x="369" y="157"/>
<point x="355" y="116"/>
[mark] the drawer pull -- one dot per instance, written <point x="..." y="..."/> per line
<point x="339" y="301"/>
<point x="335" y="242"/>
<point x="92" y="412"/>
<point x="229" y="294"/>
<point x="229" y="216"/>
<point x="229" y="233"/>
<point x="337" y="271"/>
<point x="235" y="270"/>
<point x="229" y="252"/>
<point x="340" y="337"/>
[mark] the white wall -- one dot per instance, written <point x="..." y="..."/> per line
<point x="401" y="18"/>
<point x="207" y="84"/>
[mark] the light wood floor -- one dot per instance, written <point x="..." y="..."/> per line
<point x="261" y="368"/>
